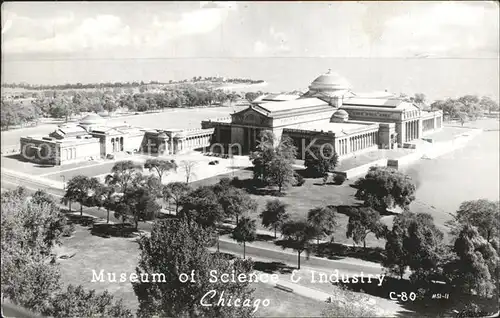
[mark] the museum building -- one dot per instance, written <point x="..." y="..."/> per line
<point x="328" y="113"/>
<point x="94" y="138"/>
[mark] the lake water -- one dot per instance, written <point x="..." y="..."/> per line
<point x="468" y="173"/>
<point x="437" y="78"/>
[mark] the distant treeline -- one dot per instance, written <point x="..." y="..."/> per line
<point x="64" y="104"/>
<point x="130" y="84"/>
<point x="466" y="107"/>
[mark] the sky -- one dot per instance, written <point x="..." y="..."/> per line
<point x="71" y="31"/>
<point x="244" y="29"/>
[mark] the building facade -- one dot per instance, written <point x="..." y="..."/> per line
<point x="93" y="138"/>
<point x="329" y="113"/>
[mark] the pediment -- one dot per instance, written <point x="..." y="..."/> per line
<point x="251" y="117"/>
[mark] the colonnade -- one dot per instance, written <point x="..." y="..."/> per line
<point x="117" y="144"/>
<point x="194" y="142"/>
<point x="428" y="124"/>
<point x="68" y="153"/>
<point x="411" y="130"/>
<point x="358" y="142"/>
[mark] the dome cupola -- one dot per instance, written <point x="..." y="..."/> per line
<point x="339" y="116"/>
<point x="329" y="87"/>
<point x="90" y="121"/>
<point x="330" y="82"/>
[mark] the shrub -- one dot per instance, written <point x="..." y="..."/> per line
<point x="339" y="179"/>
<point x="325" y="178"/>
<point x="68" y="230"/>
<point x="299" y="180"/>
<point x="236" y="182"/>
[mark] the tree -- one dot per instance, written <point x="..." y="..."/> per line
<point x="202" y="206"/>
<point x="151" y="183"/>
<point x="105" y="196"/>
<point x="417" y="243"/>
<point x="419" y="98"/>
<point x="80" y="189"/>
<point x="280" y="173"/>
<point x="385" y="188"/>
<point x="319" y="161"/>
<point x="264" y="153"/>
<point x="363" y="221"/>
<point x="483" y="214"/>
<point x="122" y="173"/>
<point x="298" y="235"/>
<point x="245" y="231"/>
<point x="323" y="220"/>
<point x="175" y="191"/>
<point x="137" y="203"/>
<point x="30" y="228"/>
<point x="176" y="247"/>
<point x="273" y="160"/>
<point x="251" y="96"/>
<point x="41" y="197"/>
<point x="188" y="167"/>
<point x="476" y="267"/>
<point x="60" y="108"/>
<point x="233" y="97"/>
<point x="487" y="103"/>
<point x="77" y="302"/>
<point x="274" y="215"/>
<point x="26" y="242"/>
<point x="161" y="166"/>
<point x="235" y="202"/>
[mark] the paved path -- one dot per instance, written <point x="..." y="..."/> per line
<point x="274" y="253"/>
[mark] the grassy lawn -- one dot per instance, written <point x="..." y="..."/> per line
<point x="301" y="199"/>
<point x="388" y="307"/>
<point x="121" y="255"/>
<point x="95" y="253"/>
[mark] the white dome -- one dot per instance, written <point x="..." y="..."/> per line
<point x="339" y="115"/>
<point x="330" y="82"/>
<point x="92" y="119"/>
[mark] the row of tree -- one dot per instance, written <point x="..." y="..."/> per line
<point x="470" y="264"/>
<point x="18" y="113"/>
<point x="466" y="107"/>
<point x="64" y="104"/>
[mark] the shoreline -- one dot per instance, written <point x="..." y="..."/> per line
<point x="231" y="87"/>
